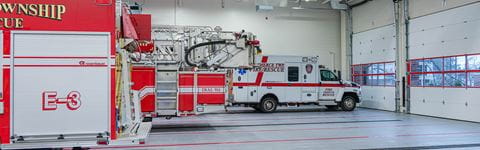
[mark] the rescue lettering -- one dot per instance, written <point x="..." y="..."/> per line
<point x="48" y="11"/>
<point x="269" y="67"/>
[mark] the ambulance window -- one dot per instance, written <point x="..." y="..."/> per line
<point x="293" y="73"/>
<point x="328" y="76"/>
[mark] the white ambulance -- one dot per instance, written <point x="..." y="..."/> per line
<point x="290" y="81"/>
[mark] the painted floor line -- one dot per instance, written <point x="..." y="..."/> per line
<point x="263" y="119"/>
<point x="429" y="147"/>
<point x="276" y="141"/>
<point x="156" y="127"/>
<point x="238" y="142"/>
<point x="285" y="130"/>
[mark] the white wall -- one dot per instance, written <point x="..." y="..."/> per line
<point x="285" y="32"/>
<point x="452" y="32"/>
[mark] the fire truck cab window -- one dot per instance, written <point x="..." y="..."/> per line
<point x="328" y="76"/>
<point x="293" y="73"/>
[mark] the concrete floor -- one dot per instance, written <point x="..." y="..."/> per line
<point x="311" y="129"/>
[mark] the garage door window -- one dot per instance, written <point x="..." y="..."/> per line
<point x="474" y="79"/>
<point x="455" y="63"/>
<point x="374" y="74"/>
<point x="433" y="65"/>
<point x="473" y="73"/>
<point x="416" y="80"/>
<point x="473" y="62"/>
<point x="460" y="71"/>
<point x="433" y="80"/>
<point x="455" y="79"/>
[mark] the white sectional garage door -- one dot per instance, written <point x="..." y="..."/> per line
<point x="374" y="66"/>
<point x="445" y="64"/>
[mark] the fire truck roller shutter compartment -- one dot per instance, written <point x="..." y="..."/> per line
<point x="60" y="78"/>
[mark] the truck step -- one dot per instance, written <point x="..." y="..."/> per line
<point x="292" y="105"/>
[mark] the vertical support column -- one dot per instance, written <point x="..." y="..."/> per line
<point x="346" y="44"/>
<point x="398" y="83"/>
<point x="401" y="55"/>
<point x="406" y="19"/>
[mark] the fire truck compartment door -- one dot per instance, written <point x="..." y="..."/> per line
<point x="309" y="76"/>
<point x="1" y="64"/>
<point x="61" y="83"/>
<point x="329" y="86"/>
<point x="143" y="79"/>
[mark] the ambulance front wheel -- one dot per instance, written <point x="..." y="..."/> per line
<point x="268" y="105"/>
<point x="348" y="103"/>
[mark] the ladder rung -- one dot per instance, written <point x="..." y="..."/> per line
<point x="166" y="81"/>
<point x="173" y="98"/>
<point x="167" y="91"/>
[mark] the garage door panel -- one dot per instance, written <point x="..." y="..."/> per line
<point x="376" y="47"/>
<point x="435" y="36"/>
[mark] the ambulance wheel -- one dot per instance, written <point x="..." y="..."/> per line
<point x="268" y="105"/>
<point x="348" y="103"/>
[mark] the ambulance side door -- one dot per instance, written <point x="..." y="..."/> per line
<point x="252" y="91"/>
<point x="240" y="90"/>
<point x="309" y="81"/>
<point x="329" y="85"/>
<point x="292" y="90"/>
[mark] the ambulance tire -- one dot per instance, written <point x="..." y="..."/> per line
<point x="268" y="105"/>
<point x="348" y="103"/>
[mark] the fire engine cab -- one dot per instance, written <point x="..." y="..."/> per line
<point x="291" y="81"/>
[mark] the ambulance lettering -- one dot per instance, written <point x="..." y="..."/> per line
<point x="50" y="101"/>
<point x="269" y="67"/>
<point x="328" y="92"/>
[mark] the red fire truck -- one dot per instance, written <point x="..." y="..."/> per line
<point x="59" y="80"/>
